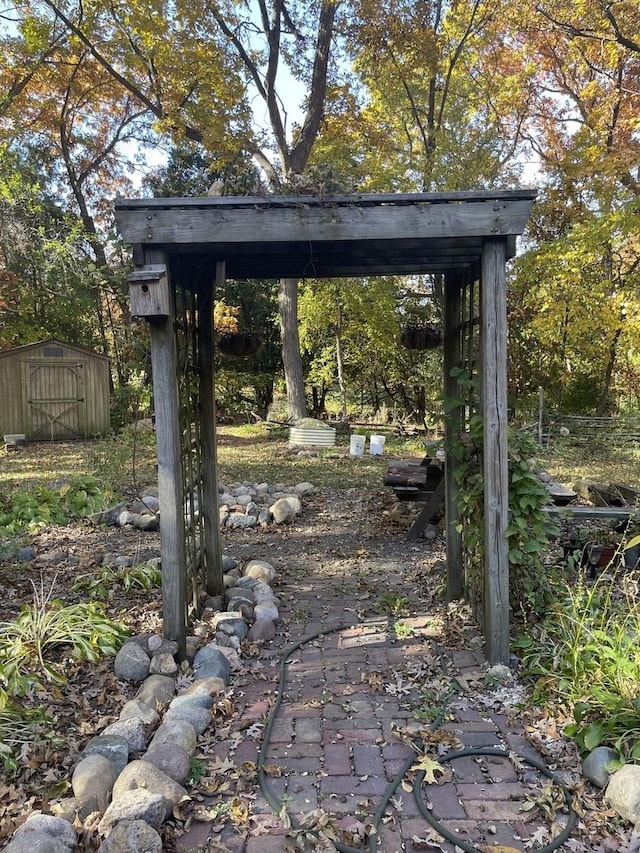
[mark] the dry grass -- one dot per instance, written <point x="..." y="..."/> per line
<point x="592" y="461"/>
<point x="252" y="453"/>
<point x="127" y="462"/>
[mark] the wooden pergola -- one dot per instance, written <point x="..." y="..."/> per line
<point x="183" y="248"/>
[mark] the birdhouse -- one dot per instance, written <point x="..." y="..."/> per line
<point x="149" y="291"/>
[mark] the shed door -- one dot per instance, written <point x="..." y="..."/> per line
<point x="55" y="399"/>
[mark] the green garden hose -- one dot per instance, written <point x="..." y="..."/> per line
<point x="277" y="805"/>
<point x="532" y="762"/>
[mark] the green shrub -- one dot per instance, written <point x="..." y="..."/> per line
<point x="41" y="506"/>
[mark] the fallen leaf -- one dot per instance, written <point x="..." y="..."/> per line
<point x="499" y="848"/>
<point x="429" y="767"/>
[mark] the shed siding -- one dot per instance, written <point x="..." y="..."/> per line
<point x="52" y="390"/>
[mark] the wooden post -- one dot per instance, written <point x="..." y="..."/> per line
<point x="452" y="357"/>
<point x="495" y="450"/>
<point x="164" y="366"/>
<point x="212" y="544"/>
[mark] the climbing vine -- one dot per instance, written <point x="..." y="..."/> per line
<point x="530" y="526"/>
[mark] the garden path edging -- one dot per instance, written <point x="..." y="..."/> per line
<point x="130" y="778"/>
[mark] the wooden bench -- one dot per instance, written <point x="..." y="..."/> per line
<point x="419" y="481"/>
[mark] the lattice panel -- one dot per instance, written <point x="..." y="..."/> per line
<point x="189" y="366"/>
<point x="470" y="343"/>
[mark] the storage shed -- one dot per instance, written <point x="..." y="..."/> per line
<point x="52" y="391"/>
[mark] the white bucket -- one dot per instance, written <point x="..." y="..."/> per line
<point x="376" y="445"/>
<point x="356" y="445"/>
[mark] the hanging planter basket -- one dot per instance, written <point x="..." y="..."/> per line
<point x="421" y="337"/>
<point x="239" y="344"/>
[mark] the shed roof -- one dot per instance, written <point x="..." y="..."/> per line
<point x="25" y="348"/>
<point x="332" y="236"/>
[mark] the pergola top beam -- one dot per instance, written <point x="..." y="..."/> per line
<point x="222" y="225"/>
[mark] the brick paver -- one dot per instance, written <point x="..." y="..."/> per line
<point x="334" y="744"/>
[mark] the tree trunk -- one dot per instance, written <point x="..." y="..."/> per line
<point x="340" y="363"/>
<point x="603" y="403"/>
<point x="291" y="358"/>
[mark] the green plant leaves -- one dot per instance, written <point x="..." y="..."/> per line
<point x="45" y="626"/>
<point x="145" y="576"/>
<point x="587" y="647"/>
<point x="40" y="506"/>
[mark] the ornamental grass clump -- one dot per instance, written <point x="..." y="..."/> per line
<point x="30" y="653"/>
<point x="45" y="627"/>
<point x="19" y="727"/>
<point x="585" y="659"/>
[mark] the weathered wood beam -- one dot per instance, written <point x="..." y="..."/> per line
<point x="493" y="358"/>
<point x="212" y="543"/>
<point x="188" y="225"/>
<point x="356" y="199"/>
<point x="164" y="366"/>
<point x="452" y="357"/>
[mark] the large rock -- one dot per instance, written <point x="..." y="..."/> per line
<point x="209" y="686"/>
<point x="36" y="842"/>
<point x="594" y="766"/>
<point x="623" y="792"/>
<point x="132" y="663"/>
<point x="282" y="511"/>
<point x="138" y="710"/>
<point x="211" y="662"/>
<point x="239" y="520"/>
<point x="132" y="730"/>
<point x="149" y="504"/>
<point x="74" y="809"/>
<point x="262" y="631"/>
<point x="157" y="690"/>
<point x="228" y="563"/>
<point x="94" y="776"/>
<point x="43" y="824"/>
<point x="200" y="718"/>
<point x="132" y="836"/>
<point x="177" y="731"/>
<point x="171" y="759"/>
<point x="137" y="804"/>
<point x="260" y="570"/>
<point x="143" y="774"/>
<point x="239" y="591"/>
<point x="163" y="663"/>
<point x="303" y="489"/>
<point x="266" y="610"/>
<point x="201" y="699"/>
<point x="109" y="516"/>
<point x="113" y="747"/>
<point x="235" y="627"/>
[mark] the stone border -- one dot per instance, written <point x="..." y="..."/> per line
<point x="125" y="785"/>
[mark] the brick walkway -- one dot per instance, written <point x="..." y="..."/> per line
<point x="335" y="738"/>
